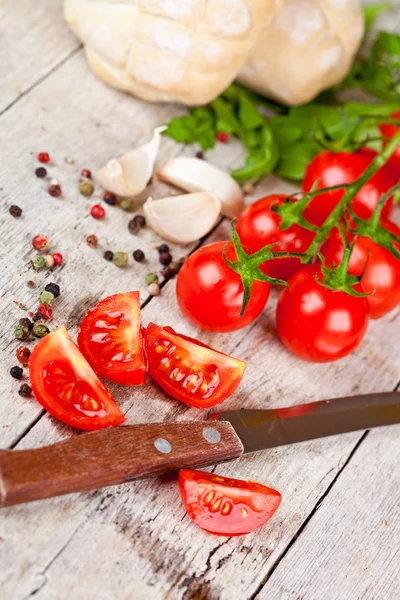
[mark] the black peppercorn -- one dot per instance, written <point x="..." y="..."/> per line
<point x="200" y="155"/>
<point x="25" y="390"/>
<point x="25" y="322"/>
<point x="140" y="220"/>
<point x="110" y="198"/>
<point x="53" y="288"/>
<point x="165" y="258"/>
<point x="37" y="317"/>
<point x="133" y="226"/>
<point x="108" y="255"/>
<point x="167" y="273"/>
<point x="163" y="248"/>
<point x="139" y="256"/>
<point x="41" y="172"/>
<point x="16" y="372"/>
<point x="15" y="210"/>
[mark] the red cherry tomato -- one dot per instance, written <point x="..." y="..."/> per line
<point x="318" y="324"/>
<point x="188" y="371"/>
<point x="110" y="338"/>
<point x="67" y="387"/>
<point x="226" y="506"/>
<point x="329" y="169"/>
<point x="382" y="273"/>
<point x="258" y="226"/>
<point x="388" y="131"/>
<point x="210" y="294"/>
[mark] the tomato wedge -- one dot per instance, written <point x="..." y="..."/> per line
<point x="188" y="370"/>
<point x="67" y="387"/>
<point x="110" y="338"/>
<point x="226" y="506"/>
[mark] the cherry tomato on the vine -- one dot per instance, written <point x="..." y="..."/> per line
<point x="226" y="506"/>
<point x="258" y="226"/>
<point x="210" y="293"/>
<point x="388" y="130"/>
<point x="330" y="169"/>
<point x="318" y="324"/>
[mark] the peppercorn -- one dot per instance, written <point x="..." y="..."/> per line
<point x="49" y="261"/>
<point x="43" y="157"/>
<point x="54" y="288"/>
<point x="46" y="311"/>
<point x="175" y="266"/>
<point x="16" y="372"/>
<point x="167" y="273"/>
<point x="86" y="188"/>
<point x="25" y="390"/>
<point x="38" y="262"/>
<point x="139" y="256"/>
<point x="58" y="258"/>
<point x="110" y="198"/>
<point x="165" y="258"/>
<point x="120" y="259"/>
<point x="40" y="241"/>
<point x="86" y="173"/>
<point x="55" y="190"/>
<point x="97" y="211"/>
<point x="92" y="241"/>
<point x="140" y="220"/>
<point x="69" y="160"/>
<point x="21" y="332"/>
<point x="31" y="284"/>
<point x="108" y="255"/>
<point x="46" y="297"/>
<point x="151" y="278"/>
<point x="163" y="248"/>
<point x="126" y="204"/>
<point x="15" y="211"/>
<point x="25" y="322"/>
<point x="153" y="289"/>
<point x="41" y="172"/>
<point x="40" y="330"/>
<point x="37" y="317"/>
<point x="133" y="226"/>
<point x="200" y="155"/>
<point x="23" y="353"/>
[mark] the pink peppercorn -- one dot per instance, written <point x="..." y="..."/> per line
<point x="86" y="173"/>
<point x="97" y="211"/>
<point x="43" y="157"/>
<point x="40" y="241"/>
<point x="55" y="190"/>
<point x="223" y="137"/>
<point x="46" y="311"/>
<point x="58" y="258"/>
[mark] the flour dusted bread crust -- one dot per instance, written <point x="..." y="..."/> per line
<point x="168" y="50"/>
<point x="190" y="50"/>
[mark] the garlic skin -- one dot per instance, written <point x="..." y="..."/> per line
<point x="183" y="219"/>
<point x="197" y="175"/>
<point x="129" y="174"/>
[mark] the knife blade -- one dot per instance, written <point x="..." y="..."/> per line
<point x="121" y="454"/>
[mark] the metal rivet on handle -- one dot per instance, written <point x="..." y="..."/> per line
<point x="211" y="435"/>
<point x="163" y="445"/>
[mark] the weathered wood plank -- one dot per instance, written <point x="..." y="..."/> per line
<point x="355" y="533"/>
<point x="34" y="40"/>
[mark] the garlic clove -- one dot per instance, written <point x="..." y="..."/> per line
<point x="183" y="219"/>
<point x="129" y="174"/>
<point x="197" y="175"/>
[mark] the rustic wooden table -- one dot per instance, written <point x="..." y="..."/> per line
<point x="337" y="533"/>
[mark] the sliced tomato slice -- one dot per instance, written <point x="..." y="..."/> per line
<point x="110" y="337"/>
<point x="67" y="387"/>
<point x="226" y="506"/>
<point x="188" y="370"/>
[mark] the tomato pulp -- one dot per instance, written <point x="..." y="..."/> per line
<point x="226" y="506"/>
<point x="189" y="371"/>
<point x="258" y="226"/>
<point x="110" y="338"/>
<point x="67" y="387"/>
<point x="317" y="324"/>
<point x="210" y="294"/>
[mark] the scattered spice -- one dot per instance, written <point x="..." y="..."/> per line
<point x="40" y="241"/>
<point x="40" y="330"/>
<point x="15" y="211"/>
<point x="37" y="317"/>
<point x="54" y="181"/>
<point x="46" y="311"/>
<point x="41" y="172"/>
<point x="21" y="332"/>
<point x="108" y="255"/>
<point x="223" y="136"/>
<point x="126" y="204"/>
<point x="16" y="372"/>
<point x="58" y="258"/>
<point x="200" y="155"/>
<point x="43" y="157"/>
<point x="140" y="220"/>
<point x="23" y="353"/>
<point x="165" y="258"/>
<point x="86" y="173"/>
<point x="167" y="273"/>
<point x="86" y="188"/>
<point x="153" y="289"/>
<point x="46" y="297"/>
<point x="49" y="261"/>
<point x="151" y="278"/>
<point x="25" y="390"/>
<point x="69" y="160"/>
<point x="55" y="190"/>
<point x="92" y="241"/>
<point x="25" y="322"/>
<point x="54" y="288"/>
<point x="133" y="226"/>
<point x="38" y="262"/>
<point x="175" y="266"/>
<point x="31" y="284"/>
<point x="110" y="198"/>
<point x="138" y="255"/>
<point x="97" y="211"/>
<point x="163" y="248"/>
<point x="120" y="259"/>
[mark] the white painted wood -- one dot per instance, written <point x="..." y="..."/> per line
<point x="351" y="547"/>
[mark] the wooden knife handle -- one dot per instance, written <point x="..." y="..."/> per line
<point x="111" y="456"/>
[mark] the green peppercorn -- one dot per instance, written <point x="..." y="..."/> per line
<point x="38" y="262"/>
<point x="25" y="322"/>
<point x="126" y="204"/>
<point x="21" y="332"/>
<point x="46" y="297"/>
<point x="86" y="188"/>
<point x="40" y="330"/>
<point x="174" y="266"/>
<point x="120" y="259"/>
<point x="151" y="278"/>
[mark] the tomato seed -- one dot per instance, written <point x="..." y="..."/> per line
<point x="208" y="497"/>
<point x="215" y="507"/>
<point x="227" y="508"/>
<point x="245" y="512"/>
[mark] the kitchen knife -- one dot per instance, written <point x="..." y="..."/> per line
<point x="117" y="455"/>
